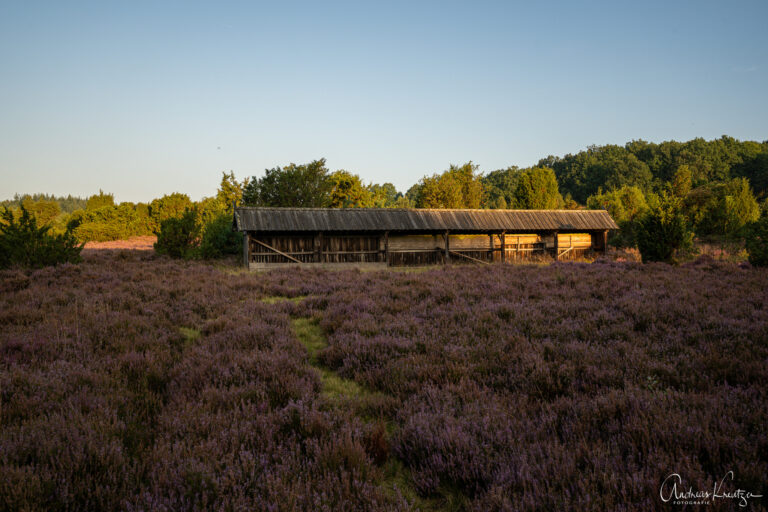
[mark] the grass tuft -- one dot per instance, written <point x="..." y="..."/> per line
<point x="279" y="298"/>
<point x="189" y="333"/>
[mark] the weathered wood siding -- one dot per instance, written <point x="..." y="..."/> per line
<point x="403" y="250"/>
<point x="316" y="249"/>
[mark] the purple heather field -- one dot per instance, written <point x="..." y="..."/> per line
<point x="135" y="382"/>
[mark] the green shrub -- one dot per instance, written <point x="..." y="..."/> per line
<point x="24" y="244"/>
<point x="626" y="206"/>
<point x="730" y="206"/>
<point x="169" y="207"/>
<point x="110" y="222"/>
<point x="179" y="237"/>
<point x="102" y="200"/>
<point x="219" y="239"/>
<point x="757" y="242"/>
<point x="662" y="231"/>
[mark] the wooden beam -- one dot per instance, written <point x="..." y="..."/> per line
<point x="347" y="252"/>
<point x="503" y="246"/>
<point x="447" y="247"/>
<point x="469" y="258"/>
<point x="278" y="252"/>
<point x="605" y="241"/>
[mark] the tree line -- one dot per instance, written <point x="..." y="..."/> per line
<point x="716" y="189"/>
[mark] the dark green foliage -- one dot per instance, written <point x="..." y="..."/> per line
<point x="348" y="191"/>
<point x="306" y="185"/>
<point x="626" y="206"/>
<point x="111" y="222"/>
<point x="219" y="238"/>
<point x="757" y="242"/>
<point x="499" y="187"/>
<point x="101" y="200"/>
<point x="457" y="187"/>
<point x="67" y="204"/>
<point x="230" y="191"/>
<point x="729" y="207"/>
<point x="23" y="243"/>
<point x="609" y="167"/>
<point x="178" y="237"/>
<point x="44" y="211"/>
<point x="412" y="194"/>
<point x="645" y="164"/>
<point x="662" y="231"/>
<point x="169" y="206"/>
<point x="313" y="186"/>
<point x="537" y="190"/>
<point x="384" y="196"/>
<point x="143" y="218"/>
<point x="755" y="169"/>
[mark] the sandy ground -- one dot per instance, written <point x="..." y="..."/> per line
<point x="139" y="243"/>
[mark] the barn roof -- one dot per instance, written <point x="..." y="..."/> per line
<point x="399" y="219"/>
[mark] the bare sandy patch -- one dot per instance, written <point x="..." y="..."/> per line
<point x="139" y="243"/>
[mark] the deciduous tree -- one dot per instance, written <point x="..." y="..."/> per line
<point x="537" y="190"/>
<point x="305" y="185"/>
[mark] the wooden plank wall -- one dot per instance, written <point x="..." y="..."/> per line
<point x="299" y="247"/>
<point x="349" y="249"/>
<point x="416" y="249"/>
<point x="307" y="249"/>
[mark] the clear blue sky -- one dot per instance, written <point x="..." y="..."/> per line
<point x="147" y="98"/>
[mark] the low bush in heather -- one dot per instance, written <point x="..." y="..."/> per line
<point x="179" y="237"/>
<point x="25" y="244"/>
<point x="136" y="382"/>
<point x="757" y="242"/>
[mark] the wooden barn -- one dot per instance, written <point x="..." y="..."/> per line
<point x="397" y="237"/>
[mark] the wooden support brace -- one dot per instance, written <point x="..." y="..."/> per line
<point x="469" y="258"/>
<point x="281" y="253"/>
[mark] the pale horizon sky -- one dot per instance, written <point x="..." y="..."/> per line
<point x="142" y="99"/>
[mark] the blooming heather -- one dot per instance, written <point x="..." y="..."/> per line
<point x="133" y="382"/>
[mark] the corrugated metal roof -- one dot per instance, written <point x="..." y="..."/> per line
<point x="396" y="219"/>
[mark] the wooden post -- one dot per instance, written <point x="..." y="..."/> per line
<point x="490" y="239"/>
<point x="246" y="249"/>
<point x="320" y="247"/>
<point x="557" y="247"/>
<point x="386" y="247"/>
<point x="503" y="246"/>
<point x="605" y="241"/>
<point x="447" y="247"/>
